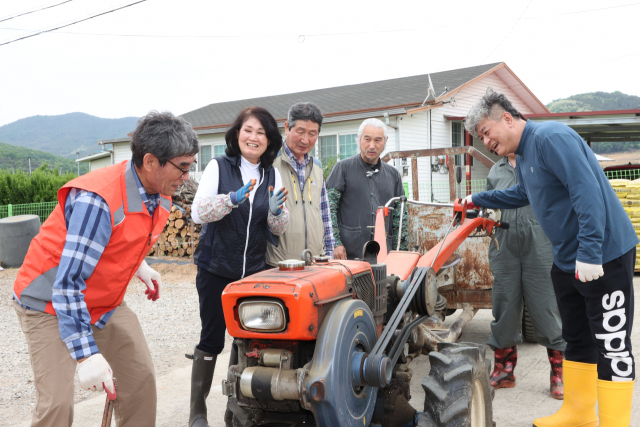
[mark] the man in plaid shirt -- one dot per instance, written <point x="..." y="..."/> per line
<point x="302" y="175"/>
<point x="69" y="291"/>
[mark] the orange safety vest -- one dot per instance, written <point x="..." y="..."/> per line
<point x="133" y="233"/>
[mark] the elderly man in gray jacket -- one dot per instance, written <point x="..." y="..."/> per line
<point x="357" y="186"/>
<point x="521" y="268"/>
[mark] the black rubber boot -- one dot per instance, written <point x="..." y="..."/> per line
<point x="201" y="376"/>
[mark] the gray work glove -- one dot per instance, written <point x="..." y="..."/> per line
<point x="276" y="201"/>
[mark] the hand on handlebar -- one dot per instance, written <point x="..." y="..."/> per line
<point x="494" y="214"/>
<point x="469" y="200"/>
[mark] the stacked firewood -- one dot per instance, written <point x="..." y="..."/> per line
<point x="180" y="236"/>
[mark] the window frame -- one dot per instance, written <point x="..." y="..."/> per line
<point x="460" y="159"/>
<point x="201" y="164"/>
<point x="318" y="148"/>
<point x="212" y="146"/>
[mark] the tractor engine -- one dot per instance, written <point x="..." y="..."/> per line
<point x="298" y="328"/>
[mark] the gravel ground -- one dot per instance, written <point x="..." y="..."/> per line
<point x="171" y="326"/>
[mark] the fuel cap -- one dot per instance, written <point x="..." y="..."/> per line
<point x="291" y="264"/>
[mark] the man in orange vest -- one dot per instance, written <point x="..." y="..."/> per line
<point x="69" y="292"/>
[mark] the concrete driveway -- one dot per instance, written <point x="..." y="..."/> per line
<point x="518" y="406"/>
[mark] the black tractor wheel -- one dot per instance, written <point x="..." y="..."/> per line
<point x="527" y="324"/>
<point x="457" y="390"/>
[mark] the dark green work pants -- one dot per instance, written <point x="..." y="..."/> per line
<point x="522" y="268"/>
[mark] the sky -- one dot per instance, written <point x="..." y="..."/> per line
<point x="182" y="55"/>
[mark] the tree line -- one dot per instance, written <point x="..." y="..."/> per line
<point x="14" y="158"/>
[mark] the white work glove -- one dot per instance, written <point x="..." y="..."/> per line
<point x="151" y="278"/>
<point x="588" y="272"/>
<point x="494" y="214"/>
<point x="469" y="200"/>
<point x="95" y="375"/>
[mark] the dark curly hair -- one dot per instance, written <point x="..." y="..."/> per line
<point x="270" y="128"/>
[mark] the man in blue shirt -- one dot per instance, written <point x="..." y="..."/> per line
<point x="594" y="255"/>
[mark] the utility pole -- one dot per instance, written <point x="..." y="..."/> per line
<point x="77" y="157"/>
<point x="29" y="166"/>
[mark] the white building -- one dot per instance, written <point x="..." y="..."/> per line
<point x="400" y="103"/>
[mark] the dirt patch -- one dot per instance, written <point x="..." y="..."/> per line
<point x="171" y="326"/>
<point x="175" y="273"/>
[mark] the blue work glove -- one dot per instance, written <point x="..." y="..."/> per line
<point x="242" y="194"/>
<point x="276" y="200"/>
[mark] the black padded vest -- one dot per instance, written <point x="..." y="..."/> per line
<point x="225" y="249"/>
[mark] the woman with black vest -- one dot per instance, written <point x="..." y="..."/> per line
<point x="236" y="203"/>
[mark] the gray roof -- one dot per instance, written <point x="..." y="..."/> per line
<point x="373" y="95"/>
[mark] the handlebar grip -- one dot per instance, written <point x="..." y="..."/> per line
<point x="503" y="225"/>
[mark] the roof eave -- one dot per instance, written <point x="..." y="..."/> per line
<point x="328" y="115"/>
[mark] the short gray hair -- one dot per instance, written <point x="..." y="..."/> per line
<point x="371" y="122"/>
<point x="304" y="111"/>
<point x="491" y="105"/>
<point x="163" y="135"/>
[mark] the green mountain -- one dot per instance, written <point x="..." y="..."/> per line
<point x="13" y="158"/>
<point x="595" y="101"/>
<point x="65" y="134"/>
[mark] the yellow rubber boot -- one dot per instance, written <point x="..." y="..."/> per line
<point x="614" y="403"/>
<point x="580" y="395"/>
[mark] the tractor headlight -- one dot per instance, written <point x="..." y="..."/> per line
<point x="262" y="316"/>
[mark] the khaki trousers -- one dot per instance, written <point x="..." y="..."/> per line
<point x="122" y="344"/>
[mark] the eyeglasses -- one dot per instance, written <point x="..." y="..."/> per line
<point x="184" y="172"/>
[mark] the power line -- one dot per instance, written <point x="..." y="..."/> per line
<point x="581" y="11"/>
<point x="226" y="36"/>
<point x="298" y="35"/>
<point x="507" y="35"/>
<point x="71" y="23"/>
<point x="33" y="11"/>
<point x="498" y="45"/>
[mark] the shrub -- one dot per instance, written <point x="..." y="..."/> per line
<point x="42" y="186"/>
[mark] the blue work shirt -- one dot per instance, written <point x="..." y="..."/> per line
<point x="578" y="210"/>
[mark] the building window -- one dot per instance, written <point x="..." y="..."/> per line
<point x="348" y="146"/>
<point x="328" y="147"/>
<point x="218" y="150"/>
<point x="457" y="140"/>
<point x="205" y="156"/>
<point x="337" y="146"/>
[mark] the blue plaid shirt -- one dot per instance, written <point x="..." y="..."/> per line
<point x="88" y="222"/>
<point x="329" y="240"/>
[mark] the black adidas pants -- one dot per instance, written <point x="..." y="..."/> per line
<point x="597" y="317"/>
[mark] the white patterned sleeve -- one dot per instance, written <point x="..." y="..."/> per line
<point x="211" y="209"/>
<point x="208" y="205"/>
<point x="278" y="224"/>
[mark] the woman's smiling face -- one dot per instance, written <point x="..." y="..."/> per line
<point x="252" y="140"/>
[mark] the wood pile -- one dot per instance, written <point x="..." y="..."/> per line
<point x="184" y="195"/>
<point x="180" y="236"/>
